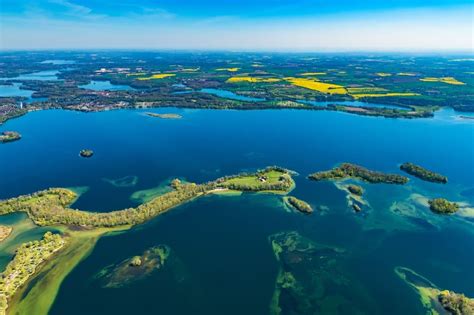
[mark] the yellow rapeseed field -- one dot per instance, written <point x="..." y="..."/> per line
<point x="322" y="87"/>
<point x="448" y="80"/>
<point x="252" y="80"/>
<point x="157" y="76"/>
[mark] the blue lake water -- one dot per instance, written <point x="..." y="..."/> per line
<point x="229" y="266"/>
<point x="225" y="94"/>
<point x="14" y="90"/>
<point x="47" y="75"/>
<point x="59" y="62"/>
<point x="105" y="86"/>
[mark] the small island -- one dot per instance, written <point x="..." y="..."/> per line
<point x="433" y="299"/>
<point x="423" y="173"/>
<point x="165" y="116"/>
<point x="5" y="231"/>
<point x="443" y="206"/>
<point x="86" y="153"/>
<point x="9" y="136"/>
<point x="134" y="268"/>
<point x="348" y="170"/>
<point x="298" y="204"/>
<point x="355" y="189"/>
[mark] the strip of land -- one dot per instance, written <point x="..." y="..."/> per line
<point x="423" y="173"/>
<point x="348" y="170"/>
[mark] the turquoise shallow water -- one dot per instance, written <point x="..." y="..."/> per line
<point x="105" y="86"/>
<point x="229" y="267"/>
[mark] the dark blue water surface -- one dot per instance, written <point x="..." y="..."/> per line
<point x="229" y="266"/>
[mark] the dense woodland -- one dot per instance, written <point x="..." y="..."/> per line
<point x="423" y="173"/>
<point x="348" y="170"/>
<point x="443" y="206"/>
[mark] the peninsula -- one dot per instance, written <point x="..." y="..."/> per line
<point x="51" y="206"/>
<point x="28" y="258"/>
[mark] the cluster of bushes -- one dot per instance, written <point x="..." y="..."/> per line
<point x="456" y="303"/>
<point x="423" y="173"/>
<point x="355" y="189"/>
<point x="299" y="204"/>
<point x="443" y="206"/>
<point x="347" y="170"/>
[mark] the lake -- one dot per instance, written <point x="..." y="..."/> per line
<point x="59" y="62"/>
<point x="47" y="75"/>
<point x="14" y="90"/>
<point x="224" y="94"/>
<point x="105" y="86"/>
<point x="227" y="265"/>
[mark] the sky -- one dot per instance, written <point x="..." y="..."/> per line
<point x="240" y="25"/>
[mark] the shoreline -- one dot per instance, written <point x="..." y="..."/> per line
<point x="330" y="108"/>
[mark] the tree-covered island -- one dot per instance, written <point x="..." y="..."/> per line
<point x="348" y="170"/>
<point x="9" y="136"/>
<point x="298" y="204"/>
<point x="443" y="206"/>
<point x="355" y="189"/>
<point x="423" y="173"/>
<point x="86" y="153"/>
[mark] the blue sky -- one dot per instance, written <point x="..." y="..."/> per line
<point x="280" y="25"/>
